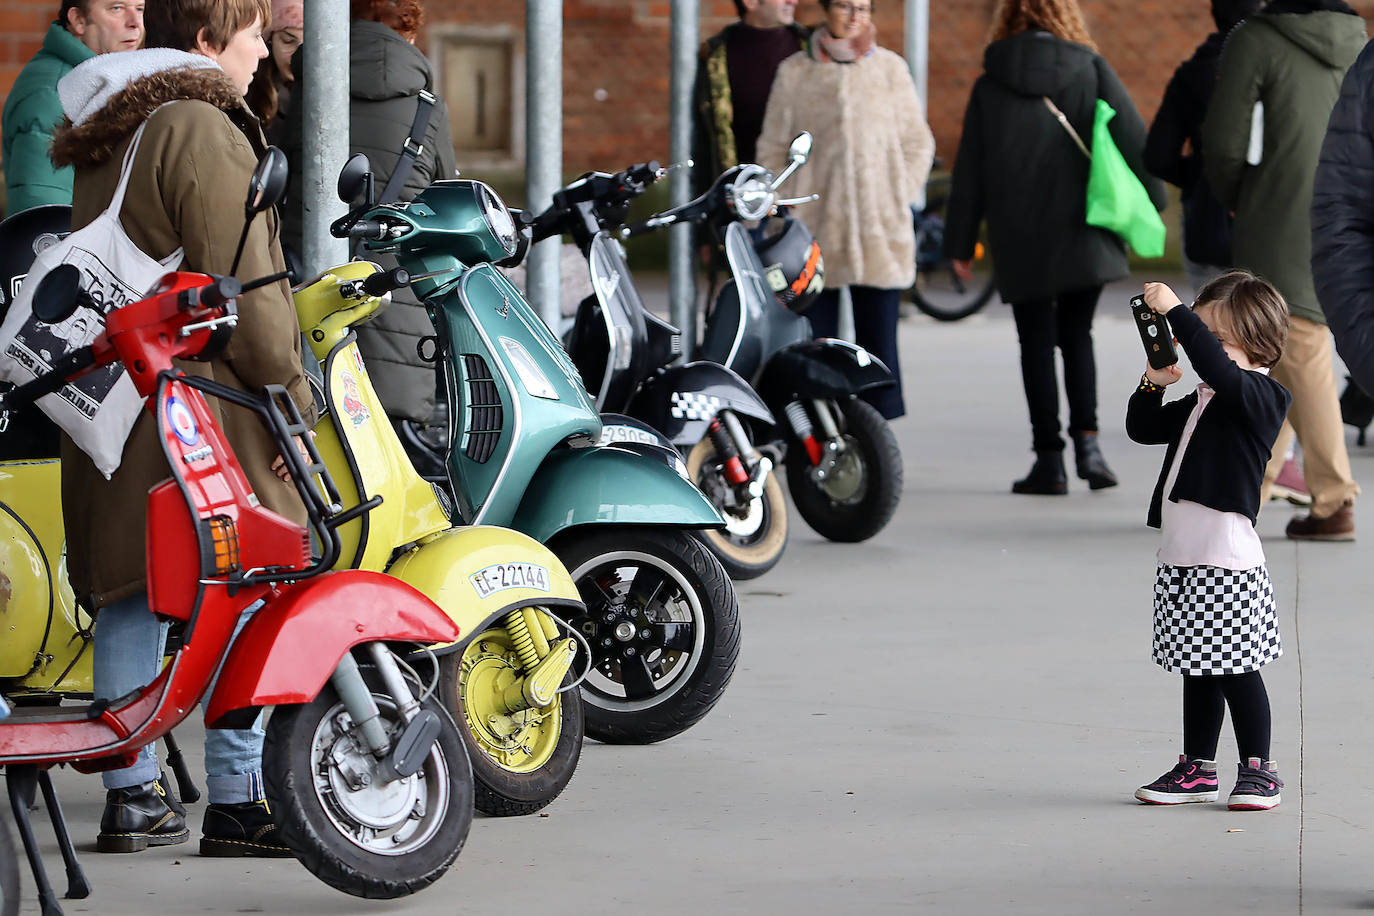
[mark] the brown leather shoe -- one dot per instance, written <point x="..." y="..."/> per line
<point x="1338" y="526"/>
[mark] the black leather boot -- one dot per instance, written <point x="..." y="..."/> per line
<point x="136" y="818"/>
<point x="247" y="829"/>
<point x="1046" y="477"/>
<point x="1092" y="467"/>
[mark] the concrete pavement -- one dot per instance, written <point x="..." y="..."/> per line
<point x="950" y="718"/>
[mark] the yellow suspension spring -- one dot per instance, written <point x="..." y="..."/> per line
<point x="527" y="635"/>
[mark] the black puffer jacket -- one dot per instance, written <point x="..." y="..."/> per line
<point x="387" y="73"/>
<point x="1178" y="123"/>
<point x="1020" y="170"/>
<point x="1343" y="221"/>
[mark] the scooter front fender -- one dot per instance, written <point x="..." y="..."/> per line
<point x="824" y="368"/>
<point x="681" y="402"/>
<point x="478" y="575"/>
<point x="289" y="648"/>
<point x="620" y="484"/>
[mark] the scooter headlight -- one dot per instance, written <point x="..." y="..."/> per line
<point x="499" y="220"/>
<point x="751" y="194"/>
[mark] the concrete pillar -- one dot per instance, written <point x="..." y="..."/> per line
<point x="682" y="275"/>
<point x="543" y="144"/>
<point x="324" y="98"/>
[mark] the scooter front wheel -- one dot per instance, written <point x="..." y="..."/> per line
<point x="521" y="760"/>
<point x="662" y="620"/>
<point x="754" y="537"/>
<point x="860" y="488"/>
<point x="353" y="829"/>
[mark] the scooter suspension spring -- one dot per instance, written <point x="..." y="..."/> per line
<point x="520" y="624"/>
<point x="732" y="467"/>
<point x="800" y="422"/>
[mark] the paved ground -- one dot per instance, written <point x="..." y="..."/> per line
<point x="950" y="718"/>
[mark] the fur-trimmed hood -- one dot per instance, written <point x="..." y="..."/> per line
<point x="96" y="135"/>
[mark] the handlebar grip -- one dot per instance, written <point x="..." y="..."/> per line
<point x="223" y="290"/>
<point x="379" y="284"/>
<point x="367" y="230"/>
<point x="62" y="371"/>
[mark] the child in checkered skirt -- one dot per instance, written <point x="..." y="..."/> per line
<point x="1214" y="616"/>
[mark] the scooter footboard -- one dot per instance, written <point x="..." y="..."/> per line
<point x="290" y="647"/>
<point x="478" y="575"/>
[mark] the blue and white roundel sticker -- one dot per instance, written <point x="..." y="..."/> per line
<point x="181" y="421"/>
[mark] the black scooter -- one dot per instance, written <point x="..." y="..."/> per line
<point x="844" y="466"/>
<point x="626" y="357"/>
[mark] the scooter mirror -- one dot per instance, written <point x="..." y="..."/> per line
<point x="355" y="179"/>
<point x="268" y="186"/>
<point x="800" y="150"/>
<point x="58" y="294"/>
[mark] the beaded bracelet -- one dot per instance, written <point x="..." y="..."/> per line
<point x="1149" y="386"/>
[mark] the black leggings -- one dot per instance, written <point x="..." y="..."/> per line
<point x="1042" y="325"/>
<point x="875" y="329"/>
<point x="1205" y="698"/>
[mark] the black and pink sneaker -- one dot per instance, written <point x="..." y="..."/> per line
<point x="1257" y="786"/>
<point x="1189" y="783"/>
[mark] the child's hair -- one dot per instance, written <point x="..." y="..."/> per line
<point x="1255" y="311"/>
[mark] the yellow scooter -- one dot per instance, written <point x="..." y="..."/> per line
<point x="510" y="680"/>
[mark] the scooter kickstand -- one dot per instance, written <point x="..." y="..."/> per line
<point x="187" y="791"/>
<point x="78" y="888"/>
<point x="21" y="780"/>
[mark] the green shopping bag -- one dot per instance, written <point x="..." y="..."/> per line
<point x="1117" y="201"/>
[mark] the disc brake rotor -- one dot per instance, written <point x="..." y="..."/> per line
<point x="386" y="818"/>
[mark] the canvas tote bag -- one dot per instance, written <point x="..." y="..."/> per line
<point x="1116" y="200"/>
<point x="98" y="409"/>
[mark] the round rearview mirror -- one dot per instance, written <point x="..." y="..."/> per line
<point x="800" y="150"/>
<point x="354" y="178"/>
<point x="58" y="294"/>
<point x="268" y="186"/>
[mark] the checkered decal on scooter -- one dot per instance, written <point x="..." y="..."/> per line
<point x="689" y="405"/>
<point x="1209" y="620"/>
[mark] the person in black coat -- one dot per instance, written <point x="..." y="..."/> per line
<point x="1342" y="228"/>
<point x="1020" y="170"/>
<point x="1173" y="149"/>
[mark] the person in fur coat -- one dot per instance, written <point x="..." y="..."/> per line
<point x="872" y="155"/>
<point x="188" y="180"/>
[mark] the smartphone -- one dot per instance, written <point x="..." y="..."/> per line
<point x="1154" y="334"/>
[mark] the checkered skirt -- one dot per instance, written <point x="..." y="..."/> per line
<point x="1210" y="620"/>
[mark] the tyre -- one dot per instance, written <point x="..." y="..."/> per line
<point x="939" y="291"/>
<point x="9" y="873"/>
<point x="521" y="761"/>
<point x="859" y="495"/>
<point x="374" y="840"/>
<point x="754" y="536"/>
<point x="662" y="620"/>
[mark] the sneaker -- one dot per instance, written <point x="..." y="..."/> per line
<point x="1188" y="783"/>
<point x="138" y="817"/>
<point x="1257" y="786"/>
<point x="1338" y="526"/>
<point x="1291" y="485"/>
<point x="247" y="829"/>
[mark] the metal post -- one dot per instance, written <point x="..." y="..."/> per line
<point x="543" y="145"/>
<point x="324" y="100"/>
<point x="682" y="278"/>
<point x="917" y="44"/>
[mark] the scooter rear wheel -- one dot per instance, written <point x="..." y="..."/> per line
<point x="520" y="761"/>
<point x="747" y="546"/>
<point x="662" y="620"/>
<point x="378" y="840"/>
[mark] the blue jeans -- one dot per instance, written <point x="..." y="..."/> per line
<point x="875" y="329"/>
<point x="129" y="642"/>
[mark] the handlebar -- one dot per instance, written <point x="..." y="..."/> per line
<point x="379" y="284"/>
<point x="62" y="372"/>
<point x="367" y="230"/>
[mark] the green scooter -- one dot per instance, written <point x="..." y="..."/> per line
<point x="527" y="450"/>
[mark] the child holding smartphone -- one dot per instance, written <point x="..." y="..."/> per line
<point x="1214" y="616"/>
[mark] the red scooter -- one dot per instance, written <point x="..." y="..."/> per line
<point x="364" y="770"/>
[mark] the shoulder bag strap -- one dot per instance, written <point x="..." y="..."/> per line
<point x="410" y="149"/>
<point x="1064" y="121"/>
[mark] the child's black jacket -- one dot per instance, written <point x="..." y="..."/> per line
<point x="1223" y="467"/>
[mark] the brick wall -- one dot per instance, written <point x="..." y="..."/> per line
<point x="621" y="47"/>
